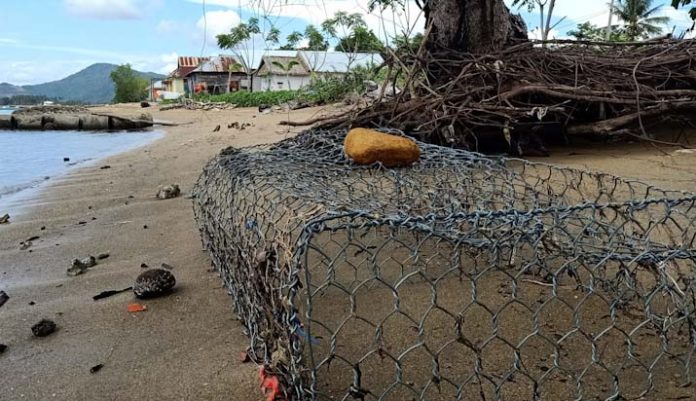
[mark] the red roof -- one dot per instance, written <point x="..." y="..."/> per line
<point x="186" y="61"/>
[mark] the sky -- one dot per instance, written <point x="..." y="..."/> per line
<point x="45" y="40"/>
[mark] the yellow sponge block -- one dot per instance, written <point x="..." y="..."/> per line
<point x="367" y="146"/>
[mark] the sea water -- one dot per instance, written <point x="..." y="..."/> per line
<point x="28" y="159"/>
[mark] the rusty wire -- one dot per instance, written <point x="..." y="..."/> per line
<point x="462" y="277"/>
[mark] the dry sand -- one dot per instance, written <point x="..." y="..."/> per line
<point x="185" y="346"/>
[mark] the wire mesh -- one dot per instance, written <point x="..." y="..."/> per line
<point x="462" y="277"/>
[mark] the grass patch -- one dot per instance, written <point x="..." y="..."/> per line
<point x="251" y="99"/>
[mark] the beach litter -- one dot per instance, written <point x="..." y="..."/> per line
<point x="167" y="266"/>
<point x="144" y="265"/>
<point x="153" y="283"/>
<point x="5" y="219"/>
<point x="43" y="328"/>
<point x="3" y="298"/>
<point x="103" y="256"/>
<point x="96" y="368"/>
<point x="109" y="293"/>
<point x="80" y="266"/>
<point x="135" y="307"/>
<point x="168" y="191"/>
<point x="217" y="128"/>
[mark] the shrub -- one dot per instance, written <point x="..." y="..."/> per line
<point x="251" y="99"/>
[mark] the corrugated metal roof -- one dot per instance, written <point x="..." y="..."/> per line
<point x="188" y="61"/>
<point x="181" y="72"/>
<point x="216" y="64"/>
<point x="269" y="66"/>
<point x="325" y="61"/>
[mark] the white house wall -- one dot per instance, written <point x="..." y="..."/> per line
<point x="279" y="82"/>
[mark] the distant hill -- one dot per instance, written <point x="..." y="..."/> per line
<point x="91" y="85"/>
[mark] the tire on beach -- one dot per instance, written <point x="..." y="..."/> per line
<point x="90" y="122"/>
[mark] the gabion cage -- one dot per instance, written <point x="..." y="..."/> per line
<point x="461" y="277"/>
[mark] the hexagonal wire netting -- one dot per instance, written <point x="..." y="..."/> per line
<point x="462" y="277"/>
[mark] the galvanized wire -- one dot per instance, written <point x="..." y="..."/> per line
<point x="462" y="277"/>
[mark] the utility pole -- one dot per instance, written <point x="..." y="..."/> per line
<point x="611" y="14"/>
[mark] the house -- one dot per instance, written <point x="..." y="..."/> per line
<point x="330" y="63"/>
<point x="220" y="74"/>
<point x="271" y="68"/>
<point x="281" y="73"/>
<point x="176" y="82"/>
<point x="155" y="90"/>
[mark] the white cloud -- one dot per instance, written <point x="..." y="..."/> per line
<point x="104" y="9"/>
<point x="215" y="23"/>
<point x="9" y="41"/>
<point x="169" y="26"/>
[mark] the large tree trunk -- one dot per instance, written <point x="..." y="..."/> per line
<point x="476" y="26"/>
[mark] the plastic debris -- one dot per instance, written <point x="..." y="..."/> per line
<point x="96" y="368"/>
<point x="270" y="386"/>
<point x="108" y="293"/>
<point x="136" y="307"/>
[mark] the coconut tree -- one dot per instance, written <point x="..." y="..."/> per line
<point x="640" y="17"/>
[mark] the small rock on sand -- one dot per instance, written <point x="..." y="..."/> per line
<point x="153" y="283"/>
<point x="103" y="256"/>
<point x="168" y="191"/>
<point x="3" y="347"/>
<point x="80" y="266"/>
<point x="5" y="219"/>
<point x="43" y="328"/>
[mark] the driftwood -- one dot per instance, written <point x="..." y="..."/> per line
<point x="189" y="104"/>
<point x="578" y="88"/>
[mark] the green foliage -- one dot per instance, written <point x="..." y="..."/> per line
<point x="591" y="32"/>
<point x="130" y="87"/>
<point x="251" y="99"/>
<point x="680" y="3"/>
<point x="360" y="40"/>
<point x="640" y="18"/>
<point x="404" y="45"/>
<point x="22" y="100"/>
<point x="334" y="88"/>
<point x="317" y="41"/>
<point x="292" y="41"/>
<point x="240" y="33"/>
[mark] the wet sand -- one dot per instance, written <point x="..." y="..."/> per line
<point x="185" y="346"/>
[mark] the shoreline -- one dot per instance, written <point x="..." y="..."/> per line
<point x="186" y="345"/>
<point x="32" y="192"/>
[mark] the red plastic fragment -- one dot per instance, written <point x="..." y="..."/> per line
<point x="270" y="386"/>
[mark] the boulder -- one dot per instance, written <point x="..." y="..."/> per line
<point x="168" y="191"/>
<point x="367" y="146"/>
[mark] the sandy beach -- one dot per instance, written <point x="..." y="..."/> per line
<point x="185" y="346"/>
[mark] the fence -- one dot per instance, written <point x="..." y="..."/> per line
<point x="462" y="277"/>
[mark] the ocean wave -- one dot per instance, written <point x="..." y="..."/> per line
<point x="13" y="189"/>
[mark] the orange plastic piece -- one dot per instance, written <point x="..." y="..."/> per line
<point x="132" y="308"/>
<point x="270" y="386"/>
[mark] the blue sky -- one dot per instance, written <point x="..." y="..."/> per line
<point x="44" y="40"/>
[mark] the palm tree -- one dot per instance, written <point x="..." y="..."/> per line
<point x="640" y="18"/>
